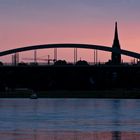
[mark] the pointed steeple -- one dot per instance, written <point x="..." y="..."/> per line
<point x="116" y="58"/>
<point x="116" y="30"/>
<point x="116" y="43"/>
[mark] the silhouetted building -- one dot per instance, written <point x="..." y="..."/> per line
<point x="116" y="58"/>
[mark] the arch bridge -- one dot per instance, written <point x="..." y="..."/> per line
<point x="69" y="45"/>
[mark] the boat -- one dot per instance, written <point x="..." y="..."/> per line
<point x="33" y="96"/>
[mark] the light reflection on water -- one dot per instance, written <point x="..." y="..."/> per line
<point x="69" y="119"/>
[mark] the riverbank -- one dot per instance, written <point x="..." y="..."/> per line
<point x="69" y="78"/>
<point x="113" y="93"/>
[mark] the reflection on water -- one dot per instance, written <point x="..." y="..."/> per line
<point x="70" y="136"/>
<point x="69" y="119"/>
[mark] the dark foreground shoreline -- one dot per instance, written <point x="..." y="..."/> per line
<point x="114" y="93"/>
<point x="71" y="78"/>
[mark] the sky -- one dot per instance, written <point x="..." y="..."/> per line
<point x="33" y="22"/>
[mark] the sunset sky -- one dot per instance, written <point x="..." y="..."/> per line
<point x="32" y="22"/>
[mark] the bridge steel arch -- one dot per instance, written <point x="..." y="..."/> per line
<point x="84" y="46"/>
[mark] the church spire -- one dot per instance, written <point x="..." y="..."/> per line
<point x="116" y="43"/>
<point x="116" y="58"/>
<point x="116" y="30"/>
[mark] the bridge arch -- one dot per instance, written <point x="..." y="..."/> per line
<point x="69" y="45"/>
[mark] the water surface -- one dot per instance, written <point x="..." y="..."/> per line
<point x="69" y="119"/>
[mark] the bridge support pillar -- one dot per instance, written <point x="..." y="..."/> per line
<point x="95" y="56"/>
<point x="35" y="56"/>
<point x="55" y="54"/>
<point x="15" y="59"/>
<point x="75" y="55"/>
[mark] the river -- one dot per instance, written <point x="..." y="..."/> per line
<point x="69" y="119"/>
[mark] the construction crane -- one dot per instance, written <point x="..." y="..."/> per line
<point x="42" y="59"/>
